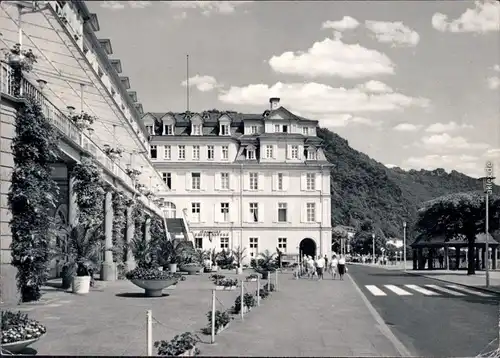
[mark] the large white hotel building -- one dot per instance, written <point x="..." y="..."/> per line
<point x="258" y="181"/>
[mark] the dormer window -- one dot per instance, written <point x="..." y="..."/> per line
<point x="224" y="129"/>
<point x="196" y="129"/>
<point x="305" y="131"/>
<point x="254" y="130"/>
<point x="150" y="130"/>
<point x="277" y="128"/>
<point x="311" y="153"/>
<point x="168" y="129"/>
<point x="250" y="153"/>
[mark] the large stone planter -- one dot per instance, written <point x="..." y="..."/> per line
<point x="154" y="288"/>
<point x="17" y="347"/>
<point x="225" y="288"/>
<point x="191" y="270"/>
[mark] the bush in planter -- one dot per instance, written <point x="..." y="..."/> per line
<point x="248" y="301"/>
<point x="222" y="319"/>
<point x="18" y="327"/>
<point x="178" y="345"/>
<point x="216" y="278"/>
<point x="252" y="276"/>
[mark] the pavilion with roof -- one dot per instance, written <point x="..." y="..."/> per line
<point x="437" y="244"/>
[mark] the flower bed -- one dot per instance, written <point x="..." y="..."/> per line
<point x="252" y="278"/>
<point x="222" y="320"/>
<point x="181" y="345"/>
<point x="248" y="303"/>
<point x="18" y="331"/>
<point x="227" y="284"/>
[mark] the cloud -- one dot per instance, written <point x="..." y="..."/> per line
<point x="390" y="166"/>
<point x="394" y="33"/>
<point x="493" y="153"/>
<point x="202" y="83"/>
<point x="406" y="127"/>
<point x="494" y="82"/>
<point x="317" y="98"/>
<point x="347" y="23"/>
<point x="496" y="68"/>
<point x="208" y="7"/>
<point x="343" y="120"/>
<point x="484" y="17"/>
<point x="119" y="5"/>
<point x="180" y="16"/>
<point x="467" y="164"/>
<point x="375" y="87"/>
<point x="333" y="58"/>
<point x="446" y="127"/>
<point x="443" y="142"/>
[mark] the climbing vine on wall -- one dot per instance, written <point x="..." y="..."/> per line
<point x="89" y="192"/>
<point x="119" y="226"/>
<point x="31" y="198"/>
<point x="139" y="217"/>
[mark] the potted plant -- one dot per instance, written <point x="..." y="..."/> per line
<point x="226" y="284"/>
<point x="133" y="173"/>
<point x="214" y="256"/>
<point x="147" y="274"/>
<point x="20" y="60"/>
<point x="225" y="260"/>
<point x="181" y="345"/>
<point x="222" y="319"/>
<point x="82" y="120"/>
<point x="192" y="263"/>
<point x="265" y="264"/>
<point x="113" y="153"/>
<point x="152" y="280"/>
<point x="252" y="278"/>
<point x="248" y="303"/>
<point x="239" y="255"/>
<point x="18" y="331"/>
<point x="81" y="245"/>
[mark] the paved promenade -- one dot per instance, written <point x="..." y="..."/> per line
<point x="306" y="318"/>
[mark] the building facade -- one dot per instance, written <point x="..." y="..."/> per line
<point x="257" y="181"/>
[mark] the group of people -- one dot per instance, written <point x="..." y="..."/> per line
<point x="315" y="268"/>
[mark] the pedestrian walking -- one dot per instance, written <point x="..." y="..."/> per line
<point x="333" y="267"/>
<point x="341" y="267"/>
<point x="326" y="262"/>
<point x="320" y="266"/>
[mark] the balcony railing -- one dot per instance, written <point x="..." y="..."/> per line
<point x="69" y="129"/>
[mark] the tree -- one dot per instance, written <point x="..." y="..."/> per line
<point x="362" y="243"/>
<point x="459" y="215"/>
<point x="337" y="237"/>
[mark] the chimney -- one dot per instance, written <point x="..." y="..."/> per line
<point x="275" y="103"/>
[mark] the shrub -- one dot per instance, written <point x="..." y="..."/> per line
<point x="18" y="327"/>
<point x="178" y="345"/>
<point x="140" y="273"/>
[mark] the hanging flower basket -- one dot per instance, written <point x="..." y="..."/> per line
<point x="113" y="153"/>
<point x="133" y="173"/>
<point x="18" y="58"/>
<point x="83" y="120"/>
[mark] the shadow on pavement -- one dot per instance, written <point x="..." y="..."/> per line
<point x="28" y="352"/>
<point x="138" y="295"/>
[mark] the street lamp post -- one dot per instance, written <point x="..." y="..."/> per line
<point x="404" y="244"/>
<point x="488" y="190"/>
<point x="373" y="238"/>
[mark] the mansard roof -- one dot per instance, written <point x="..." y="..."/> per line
<point x="212" y="116"/>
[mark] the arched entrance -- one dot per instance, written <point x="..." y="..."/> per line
<point x="307" y="247"/>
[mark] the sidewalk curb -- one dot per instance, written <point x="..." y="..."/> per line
<point x="383" y="327"/>
<point x="484" y="289"/>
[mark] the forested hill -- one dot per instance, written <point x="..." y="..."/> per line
<point x="364" y="189"/>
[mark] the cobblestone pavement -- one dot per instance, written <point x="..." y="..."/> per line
<point x="306" y="318"/>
